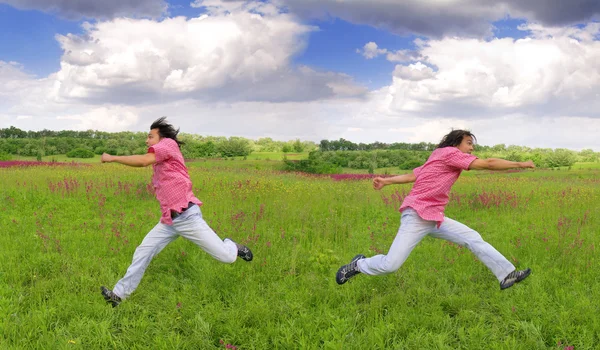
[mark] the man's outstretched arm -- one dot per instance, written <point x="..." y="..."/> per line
<point x="135" y="161"/>
<point x="380" y="182"/>
<point x="498" y="164"/>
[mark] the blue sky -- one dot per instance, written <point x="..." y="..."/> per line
<point x="363" y="70"/>
<point x="333" y="47"/>
<point x="28" y="38"/>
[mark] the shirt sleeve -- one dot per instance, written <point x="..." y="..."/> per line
<point x="417" y="171"/>
<point x="161" y="150"/>
<point x="457" y="159"/>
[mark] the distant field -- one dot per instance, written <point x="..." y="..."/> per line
<point x="252" y="156"/>
<point x="60" y="158"/>
<point x="277" y="156"/>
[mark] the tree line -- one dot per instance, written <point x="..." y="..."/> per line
<point x="327" y="156"/>
<point x="335" y="155"/>
<point x="85" y="144"/>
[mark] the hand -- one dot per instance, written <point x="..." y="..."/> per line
<point x="106" y="158"/>
<point x="378" y="183"/>
<point x="528" y="164"/>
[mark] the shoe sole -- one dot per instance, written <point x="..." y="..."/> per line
<point x="339" y="276"/>
<point x="104" y="291"/>
<point x="517" y="280"/>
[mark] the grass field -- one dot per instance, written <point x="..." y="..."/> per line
<point x="66" y="230"/>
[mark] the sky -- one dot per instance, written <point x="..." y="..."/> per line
<point x="513" y="72"/>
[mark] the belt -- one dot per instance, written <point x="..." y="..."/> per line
<point x="175" y="214"/>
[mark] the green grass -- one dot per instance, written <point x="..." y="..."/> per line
<point x="68" y="230"/>
<point x="60" y="158"/>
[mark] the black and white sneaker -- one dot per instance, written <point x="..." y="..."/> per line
<point x="110" y="297"/>
<point x="349" y="270"/>
<point x="243" y="252"/>
<point x="514" y="277"/>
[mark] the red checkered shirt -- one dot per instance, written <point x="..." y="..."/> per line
<point x="435" y="178"/>
<point x="171" y="180"/>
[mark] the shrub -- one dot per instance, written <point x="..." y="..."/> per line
<point x="234" y="147"/>
<point x="410" y="164"/>
<point x="80" y="153"/>
<point x="100" y="149"/>
<point x="313" y="166"/>
<point x="561" y="157"/>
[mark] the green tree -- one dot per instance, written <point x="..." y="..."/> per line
<point x="298" y="146"/>
<point x="80" y="153"/>
<point x="234" y="147"/>
<point x="588" y="155"/>
<point x="561" y="157"/>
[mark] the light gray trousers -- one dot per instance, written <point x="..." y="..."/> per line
<point x="189" y="225"/>
<point x="413" y="229"/>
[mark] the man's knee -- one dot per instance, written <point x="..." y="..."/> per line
<point x="227" y="259"/>
<point x="390" y="265"/>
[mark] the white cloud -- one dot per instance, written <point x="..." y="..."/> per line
<point x="220" y="7"/>
<point x="414" y="72"/>
<point x="12" y="79"/>
<point x="371" y="50"/>
<point x="549" y="74"/>
<point x="232" y="56"/>
<point x="106" y="118"/>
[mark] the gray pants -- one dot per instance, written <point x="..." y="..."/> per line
<point x="189" y="225"/>
<point x="413" y="229"/>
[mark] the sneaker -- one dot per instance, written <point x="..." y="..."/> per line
<point x="514" y="277"/>
<point x="243" y="251"/>
<point x="110" y="297"/>
<point x="348" y="271"/>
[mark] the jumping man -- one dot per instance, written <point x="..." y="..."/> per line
<point x="423" y="212"/>
<point x="181" y="215"/>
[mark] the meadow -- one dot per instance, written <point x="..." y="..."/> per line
<point x="65" y="230"/>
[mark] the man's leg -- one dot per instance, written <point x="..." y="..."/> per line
<point x="153" y="243"/>
<point x="461" y="234"/>
<point x="412" y="230"/>
<point x="192" y="226"/>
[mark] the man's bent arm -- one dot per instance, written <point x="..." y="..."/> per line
<point x="380" y="182"/>
<point x="134" y="161"/>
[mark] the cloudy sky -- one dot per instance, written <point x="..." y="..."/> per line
<point x="513" y="72"/>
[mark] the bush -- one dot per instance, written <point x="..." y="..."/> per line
<point x="561" y="157"/>
<point x="4" y="156"/>
<point x="313" y="166"/>
<point x="410" y="164"/>
<point x="123" y="152"/>
<point x="298" y="146"/>
<point x="234" y="147"/>
<point x="100" y="149"/>
<point x="80" y="153"/>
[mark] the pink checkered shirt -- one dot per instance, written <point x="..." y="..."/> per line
<point x="435" y="178"/>
<point x="171" y="180"/>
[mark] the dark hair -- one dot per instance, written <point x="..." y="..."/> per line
<point x="454" y="138"/>
<point x="166" y="130"/>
